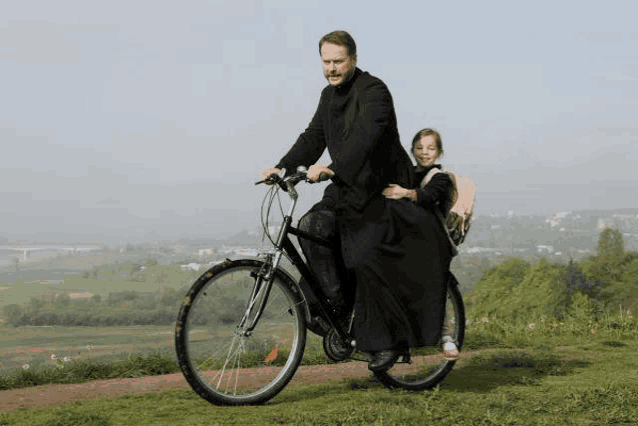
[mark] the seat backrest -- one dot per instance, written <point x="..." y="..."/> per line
<point x="463" y="199"/>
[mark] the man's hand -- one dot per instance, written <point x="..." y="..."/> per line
<point x="319" y="172"/>
<point x="272" y="170"/>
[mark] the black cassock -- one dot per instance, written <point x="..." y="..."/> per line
<point x="397" y="251"/>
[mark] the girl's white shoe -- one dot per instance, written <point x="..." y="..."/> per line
<point x="450" y="351"/>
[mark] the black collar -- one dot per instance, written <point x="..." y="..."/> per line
<point x="420" y="169"/>
<point x="343" y="88"/>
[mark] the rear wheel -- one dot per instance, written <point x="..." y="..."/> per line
<point x="224" y="361"/>
<point x="424" y="368"/>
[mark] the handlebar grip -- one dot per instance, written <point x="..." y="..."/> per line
<point x="273" y="178"/>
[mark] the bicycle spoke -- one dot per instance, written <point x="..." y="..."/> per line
<point x="236" y="364"/>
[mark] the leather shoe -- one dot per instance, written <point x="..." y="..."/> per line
<point x="383" y="360"/>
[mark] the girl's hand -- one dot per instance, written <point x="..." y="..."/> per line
<point x="396" y="192"/>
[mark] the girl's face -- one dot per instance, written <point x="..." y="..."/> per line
<point x="425" y="151"/>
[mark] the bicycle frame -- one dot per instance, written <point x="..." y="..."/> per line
<point x="258" y="320"/>
<point x="283" y="244"/>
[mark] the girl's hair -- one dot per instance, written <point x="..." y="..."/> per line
<point x="428" y="132"/>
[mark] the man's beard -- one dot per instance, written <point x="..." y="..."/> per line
<point x="345" y="76"/>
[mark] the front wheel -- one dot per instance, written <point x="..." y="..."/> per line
<point x="426" y="367"/>
<point x="222" y="359"/>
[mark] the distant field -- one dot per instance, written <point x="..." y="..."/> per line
<point x="36" y="344"/>
<point x="22" y="292"/>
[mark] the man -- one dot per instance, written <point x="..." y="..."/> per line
<point x="356" y="122"/>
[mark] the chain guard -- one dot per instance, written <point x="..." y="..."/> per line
<point x="336" y="349"/>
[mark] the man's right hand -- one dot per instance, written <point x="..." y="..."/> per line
<point x="270" y="171"/>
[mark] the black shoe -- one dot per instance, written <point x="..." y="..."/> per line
<point x="383" y="360"/>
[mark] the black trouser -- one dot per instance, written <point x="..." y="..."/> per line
<point x="326" y="263"/>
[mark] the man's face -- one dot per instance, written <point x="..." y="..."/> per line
<point x="338" y="66"/>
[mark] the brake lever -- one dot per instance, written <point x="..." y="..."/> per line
<point x="272" y="179"/>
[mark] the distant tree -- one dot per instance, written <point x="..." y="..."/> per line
<point x="540" y="293"/>
<point x="573" y="279"/>
<point x="497" y="285"/>
<point x="610" y="244"/>
<point x="604" y="272"/>
<point x="625" y="289"/>
<point x="62" y="301"/>
<point x="13" y="313"/>
<point x="35" y="304"/>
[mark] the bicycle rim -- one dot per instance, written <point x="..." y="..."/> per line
<point x="428" y="366"/>
<point x="221" y="361"/>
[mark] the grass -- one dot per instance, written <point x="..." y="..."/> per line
<point x="538" y="372"/>
<point x="593" y="383"/>
<point x="66" y="370"/>
<point x="154" y="358"/>
<point x="73" y="366"/>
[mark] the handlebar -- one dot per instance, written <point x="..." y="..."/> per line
<point x="287" y="182"/>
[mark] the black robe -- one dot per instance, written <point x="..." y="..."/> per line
<point x="397" y="250"/>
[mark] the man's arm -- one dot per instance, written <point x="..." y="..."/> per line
<point x="366" y="131"/>
<point x="309" y="145"/>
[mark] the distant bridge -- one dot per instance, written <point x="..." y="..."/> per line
<point x="25" y="250"/>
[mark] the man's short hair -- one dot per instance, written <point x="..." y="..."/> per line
<point x="340" y="38"/>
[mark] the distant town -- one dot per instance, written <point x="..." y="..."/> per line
<point x="563" y="235"/>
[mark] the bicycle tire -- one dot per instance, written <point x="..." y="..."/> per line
<point x="428" y="367"/>
<point x="219" y="361"/>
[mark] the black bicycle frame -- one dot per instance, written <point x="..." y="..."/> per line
<point x="286" y="244"/>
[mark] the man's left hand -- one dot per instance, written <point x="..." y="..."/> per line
<point x="319" y="173"/>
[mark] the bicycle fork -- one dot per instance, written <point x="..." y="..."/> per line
<point x="264" y="278"/>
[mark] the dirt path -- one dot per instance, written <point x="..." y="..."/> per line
<point x="52" y="395"/>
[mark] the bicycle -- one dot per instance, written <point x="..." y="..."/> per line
<point x="240" y="333"/>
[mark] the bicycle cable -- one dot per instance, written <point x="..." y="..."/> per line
<point x="269" y="199"/>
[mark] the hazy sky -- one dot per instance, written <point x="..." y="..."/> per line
<point x="131" y="113"/>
